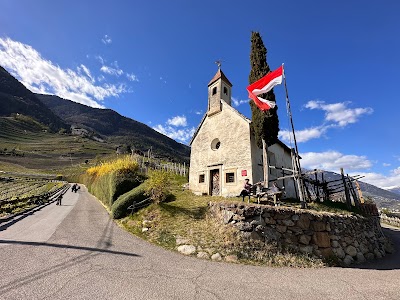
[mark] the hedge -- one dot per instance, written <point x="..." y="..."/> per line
<point x="119" y="209"/>
<point x="107" y="188"/>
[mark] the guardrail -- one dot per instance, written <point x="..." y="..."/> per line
<point x="140" y="204"/>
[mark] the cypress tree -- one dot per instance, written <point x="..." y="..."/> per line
<point x="265" y="125"/>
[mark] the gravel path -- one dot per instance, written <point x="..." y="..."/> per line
<point x="75" y="251"/>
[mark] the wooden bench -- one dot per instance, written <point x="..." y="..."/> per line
<point x="261" y="193"/>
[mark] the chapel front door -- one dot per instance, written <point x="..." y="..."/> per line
<point x="215" y="188"/>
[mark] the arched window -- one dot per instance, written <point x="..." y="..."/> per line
<point x="214" y="90"/>
<point x="225" y="90"/>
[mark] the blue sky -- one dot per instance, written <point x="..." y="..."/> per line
<point x="152" y="61"/>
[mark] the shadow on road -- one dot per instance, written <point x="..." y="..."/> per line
<point x="390" y="261"/>
<point x="68" y="247"/>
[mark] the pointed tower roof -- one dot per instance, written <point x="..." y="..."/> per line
<point x="219" y="75"/>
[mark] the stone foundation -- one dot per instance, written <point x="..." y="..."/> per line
<point x="347" y="238"/>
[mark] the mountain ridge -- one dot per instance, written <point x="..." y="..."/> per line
<point x="116" y="128"/>
<point x="15" y="99"/>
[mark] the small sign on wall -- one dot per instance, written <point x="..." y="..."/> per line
<point x="244" y="172"/>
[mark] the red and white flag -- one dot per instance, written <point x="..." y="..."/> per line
<point x="264" y="85"/>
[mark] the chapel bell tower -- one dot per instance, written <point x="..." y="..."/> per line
<point x="218" y="88"/>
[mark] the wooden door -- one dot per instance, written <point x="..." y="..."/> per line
<point x="215" y="189"/>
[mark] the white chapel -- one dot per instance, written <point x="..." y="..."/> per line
<point x="224" y="152"/>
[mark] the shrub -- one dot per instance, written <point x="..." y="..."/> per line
<point x="158" y="185"/>
<point x="119" y="208"/>
<point x="122" y="165"/>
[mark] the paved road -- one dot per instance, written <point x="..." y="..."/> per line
<point x="75" y="251"/>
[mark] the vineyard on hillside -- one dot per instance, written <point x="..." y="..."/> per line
<point x="18" y="194"/>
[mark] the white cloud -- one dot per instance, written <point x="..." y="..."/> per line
<point x="177" y="121"/>
<point x="100" y="59"/>
<point x="333" y="161"/>
<point x="303" y="135"/>
<point x="86" y="71"/>
<point x="106" y="39"/>
<point x="43" y="76"/>
<point x="236" y="102"/>
<point x="132" y="77"/>
<point x="198" y="112"/>
<point x="386" y="165"/>
<point x="111" y="71"/>
<point x="383" y="181"/>
<point x="182" y="135"/>
<point x="339" y="113"/>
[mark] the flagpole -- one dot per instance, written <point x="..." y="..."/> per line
<point x="297" y="160"/>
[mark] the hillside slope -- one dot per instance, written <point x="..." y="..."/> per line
<point x="16" y="98"/>
<point x="116" y="128"/>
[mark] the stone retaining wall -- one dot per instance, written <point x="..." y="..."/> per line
<point x="348" y="238"/>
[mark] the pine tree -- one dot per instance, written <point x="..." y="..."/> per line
<point x="265" y="125"/>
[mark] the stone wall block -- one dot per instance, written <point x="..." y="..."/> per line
<point x="335" y="244"/>
<point x="318" y="226"/>
<point x="360" y="257"/>
<point x="321" y="239"/>
<point x="326" y="252"/>
<point x="271" y="234"/>
<point x="306" y="249"/>
<point x="351" y="250"/>
<point x="328" y="227"/>
<point x="249" y="211"/>
<point x="348" y="260"/>
<point x="303" y="222"/>
<point x="340" y="253"/>
<point x="304" y="239"/>
<point x="281" y="228"/>
<point x="282" y="216"/>
<point x="227" y="216"/>
<point x="244" y="226"/>
<point x="288" y="223"/>
<point x="363" y="248"/>
<point x="295" y="217"/>
<point x="266" y="214"/>
<point x="270" y="221"/>
<point x="296" y="230"/>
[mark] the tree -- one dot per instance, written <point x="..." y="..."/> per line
<point x="265" y="125"/>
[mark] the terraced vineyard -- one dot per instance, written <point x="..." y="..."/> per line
<point x="26" y="143"/>
<point x="21" y="193"/>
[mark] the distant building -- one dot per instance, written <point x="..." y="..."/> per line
<point x="79" y="131"/>
<point x="224" y="151"/>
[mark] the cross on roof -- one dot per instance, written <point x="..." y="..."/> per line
<point x="218" y="63"/>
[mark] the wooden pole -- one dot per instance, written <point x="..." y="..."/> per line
<point x="346" y="190"/>
<point x="265" y="163"/>
<point x="300" y="183"/>
<point x="360" y="195"/>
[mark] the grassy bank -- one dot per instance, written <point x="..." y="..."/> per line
<point x="184" y="219"/>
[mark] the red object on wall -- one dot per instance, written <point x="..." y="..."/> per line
<point x="244" y="172"/>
